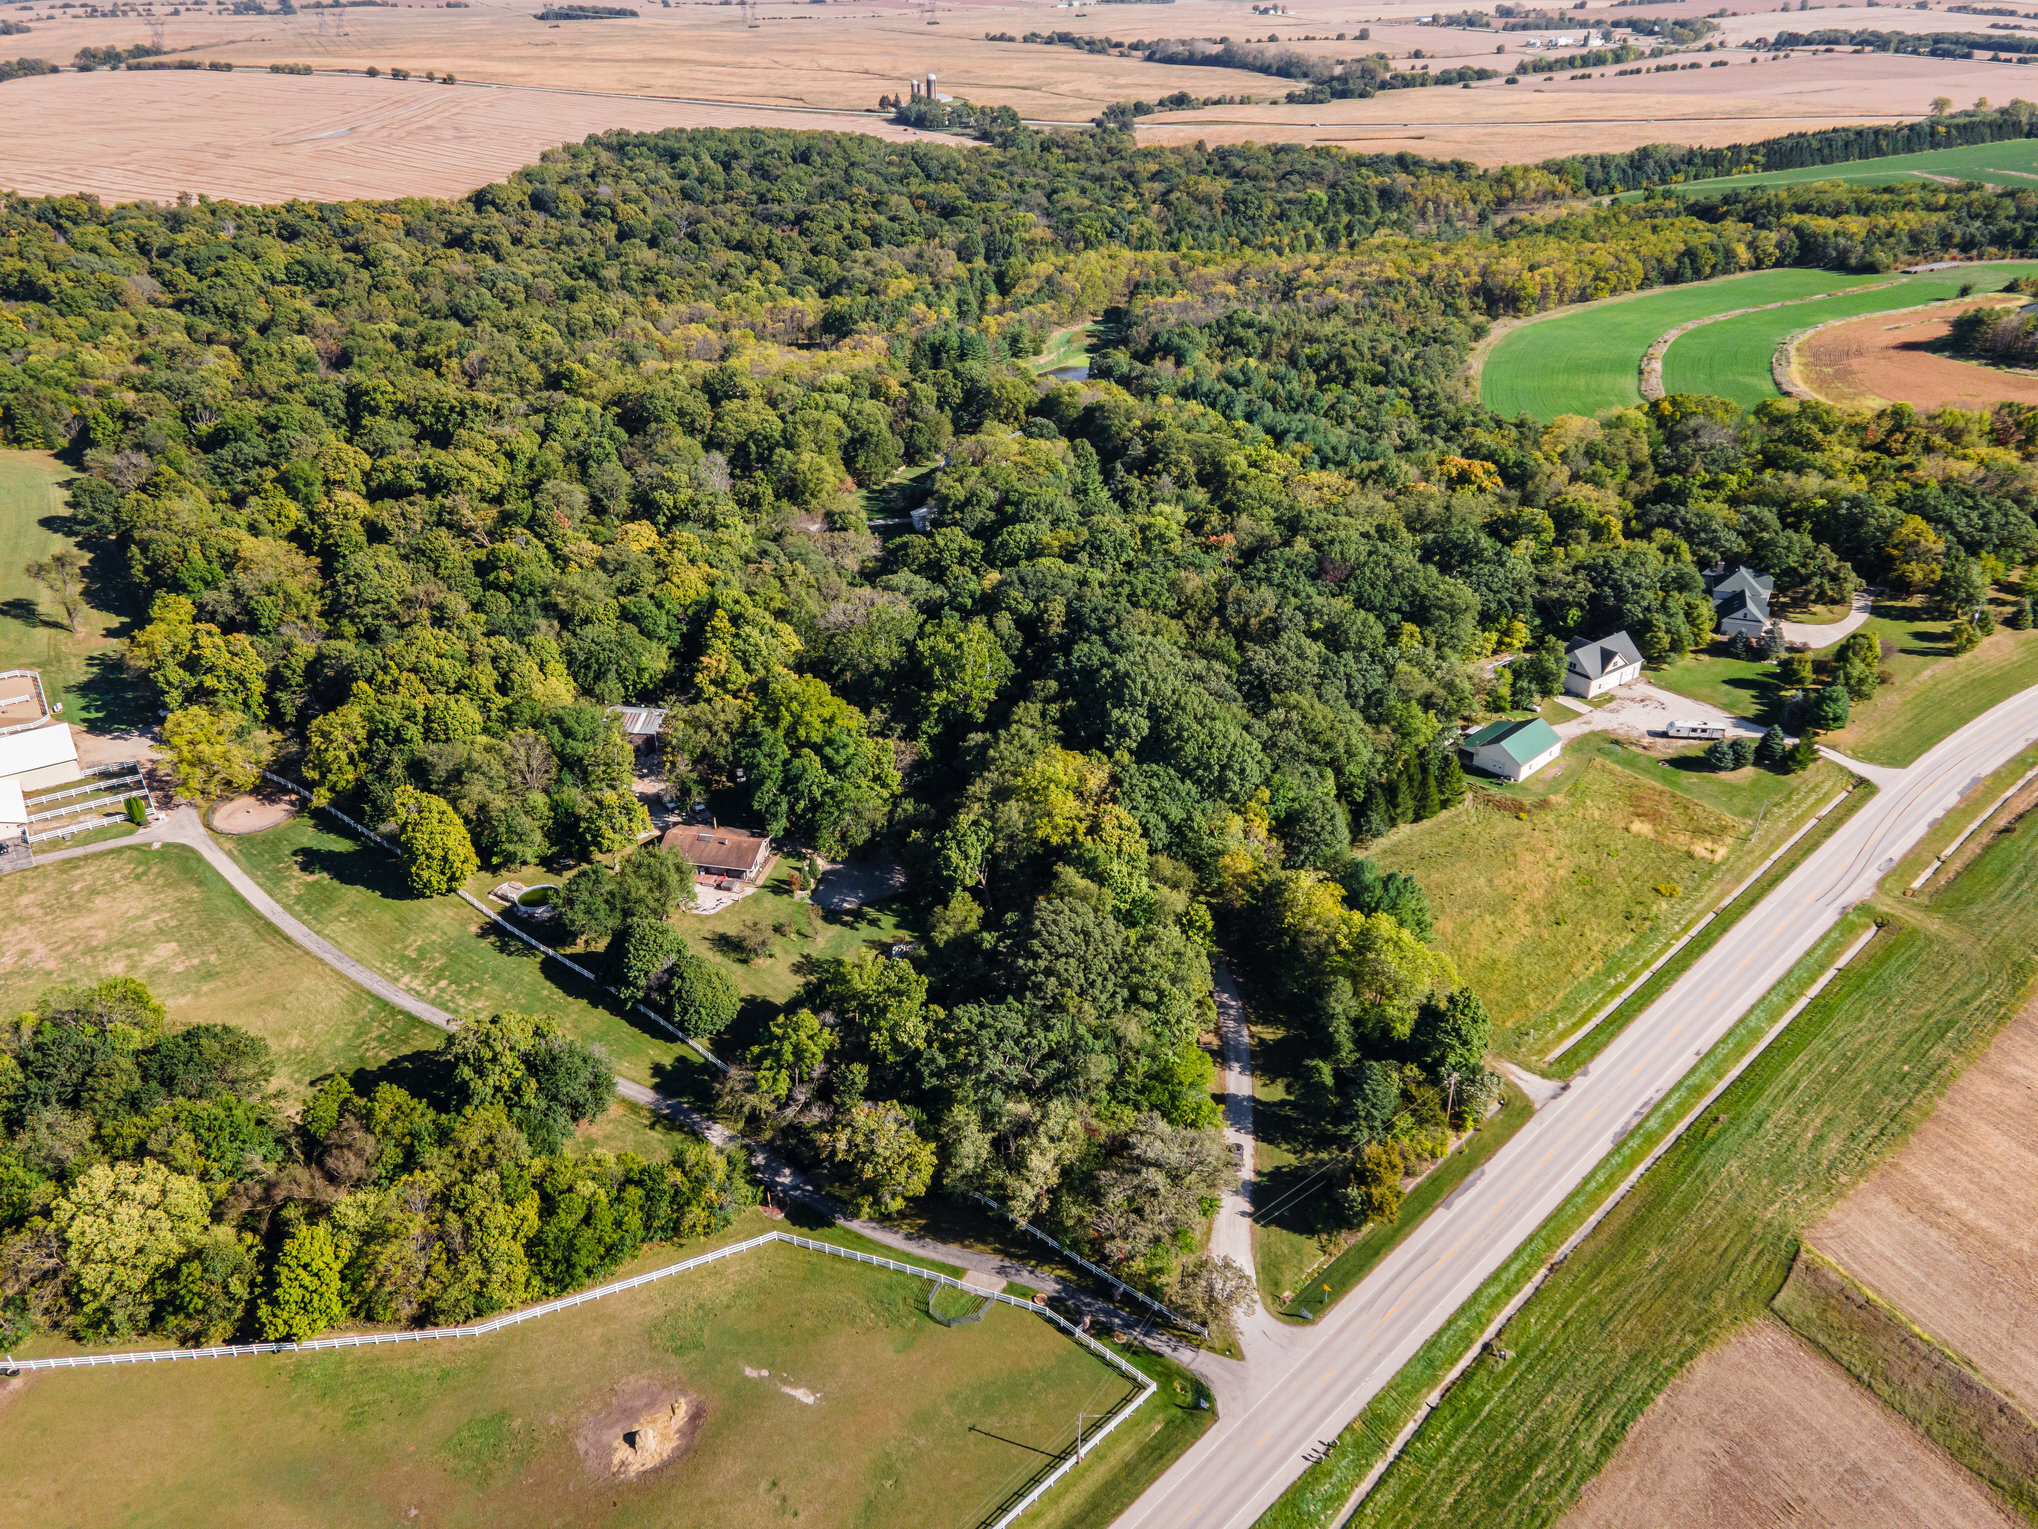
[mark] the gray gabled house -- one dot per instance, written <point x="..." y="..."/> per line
<point x="1740" y="600"/>
<point x="1595" y="665"/>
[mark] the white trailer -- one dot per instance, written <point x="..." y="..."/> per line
<point x="1685" y="727"/>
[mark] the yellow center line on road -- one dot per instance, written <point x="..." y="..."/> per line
<point x="1263" y="1441"/>
<point x="1327" y="1374"/>
<point x="1192" y="1512"/>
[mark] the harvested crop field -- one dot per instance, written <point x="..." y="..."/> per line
<point x="1765" y="1431"/>
<point x="267" y="138"/>
<point x="1899" y="358"/>
<point x="1947" y="1230"/>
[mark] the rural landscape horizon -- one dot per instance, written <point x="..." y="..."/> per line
<point x="1179" y="764"/>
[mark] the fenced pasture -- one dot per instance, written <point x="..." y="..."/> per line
<point x="829" y="1395"/>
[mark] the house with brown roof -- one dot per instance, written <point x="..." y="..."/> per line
<point x="734" y="853"/>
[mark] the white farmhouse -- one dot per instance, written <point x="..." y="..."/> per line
<point x="1593" y="666"/>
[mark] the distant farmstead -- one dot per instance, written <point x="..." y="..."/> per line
<point x="1512" y="750"/>
<point x="732" y="853"/>
<point x="1593" y="666"/>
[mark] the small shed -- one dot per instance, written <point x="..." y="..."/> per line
<point x="1593" y="666"/>
<point x="1512" y="750"/>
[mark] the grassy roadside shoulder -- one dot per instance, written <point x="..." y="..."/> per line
<point x="1329" y="1285"/>
<point x="1320" y="1494"/>
<point x="1112" y="1476"/>
<point x="1603" y="1034"/>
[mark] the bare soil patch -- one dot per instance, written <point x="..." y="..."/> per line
<point x="1947" y="1230"/>
<point x="1768" y="1431"/>
<point x="1887" y="358"/>
<point x="252" y="814"/>
<point x="642" y="1424"/>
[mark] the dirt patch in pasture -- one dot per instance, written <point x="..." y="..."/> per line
<point x="1765" y="1431"/>
<point x="11" y="1388"/>
<point x="1947" y="1230"/>
<point x="252" y="814"/>
<point x="642" y="1424"/>
<point x="1887" y="358"/>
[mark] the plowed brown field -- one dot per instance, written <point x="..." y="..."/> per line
<point x="1947" y="1230"/>
<point x="1890" y="358"/>
<point x="1768" y="1431"/>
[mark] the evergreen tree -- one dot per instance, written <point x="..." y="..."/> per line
<point x="1450" y="780"/>
<point x="1428" y="801"/>
<point x="1720" y="756"/>
<point x="1773" y="747"/>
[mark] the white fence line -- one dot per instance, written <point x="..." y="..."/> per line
<point x="98" y="791"/>
<point x="575" y="967"/>
<point x="66" y="830"/>
<point x="536" y="944"/>
<point x="1077" y="1258"/>
<point x="1147" y="1386"/>
<point x="42" y="699"/>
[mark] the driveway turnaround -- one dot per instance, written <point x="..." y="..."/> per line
<point x="1296" y="1391"/>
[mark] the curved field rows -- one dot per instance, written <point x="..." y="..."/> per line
<point x="1590" y="358"/>
<point x="1731" y="359"/>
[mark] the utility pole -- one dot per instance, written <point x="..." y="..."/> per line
<point x="1079" y="1429"/>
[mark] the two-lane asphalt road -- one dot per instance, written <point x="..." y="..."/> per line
<point x="1300" y="1390"/>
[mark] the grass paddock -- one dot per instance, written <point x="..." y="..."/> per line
<point x="871" y="1413"/>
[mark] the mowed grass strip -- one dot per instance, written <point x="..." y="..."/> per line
<point x="1706" y="1240"/>
<point x="1590" y="359"/>
<point x="1549" y="897"/>
<point x="166" y="917"/>
<point x="2013" y="162"/>
<point x="1734" y="358"/>
<point x="829" y="1397"/>
<point x="441" y="950"/>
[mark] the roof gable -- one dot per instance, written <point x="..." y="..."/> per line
<point x="1592" y="657"/>
<point x="37" y="748"/>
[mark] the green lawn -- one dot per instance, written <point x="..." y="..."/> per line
<point x="2015" y="160"/>
<point x="165" y="916"/>
<point x="1588" y="360"/>
<point x="1706" y="1239"/>
<point x="903" y="1422"/>
<point x="441" y="950"/>
<point x="1551" y="895"/>
<point x="82" y="672"/>
<point x="1732" y="359"/>
<point x="1936" y="691"/>
<point x="1933" y="693"/>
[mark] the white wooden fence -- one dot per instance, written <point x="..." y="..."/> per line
<point x="1074" y="1257"/>
<point x="536" y="944"/>
<point x="1145" y="1385"/>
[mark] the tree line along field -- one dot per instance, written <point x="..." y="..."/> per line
<point x="824" y="1391"/>
<point x="1698" y="1249"/>
<point x="1590" y="358"/>
<point x="2012" y="163"/>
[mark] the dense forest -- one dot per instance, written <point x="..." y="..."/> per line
<point x="410" y="496"/>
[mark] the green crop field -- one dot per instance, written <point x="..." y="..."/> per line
<point x="1733" y="358"/>
<point x="826" y="1394"/>
<point x="168" y="918"/>
<point x="1706" y="1239"/>
<point x="1590" y="359"/>
<point x="80" y="672"/>
<point x="2012" y="164"/>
